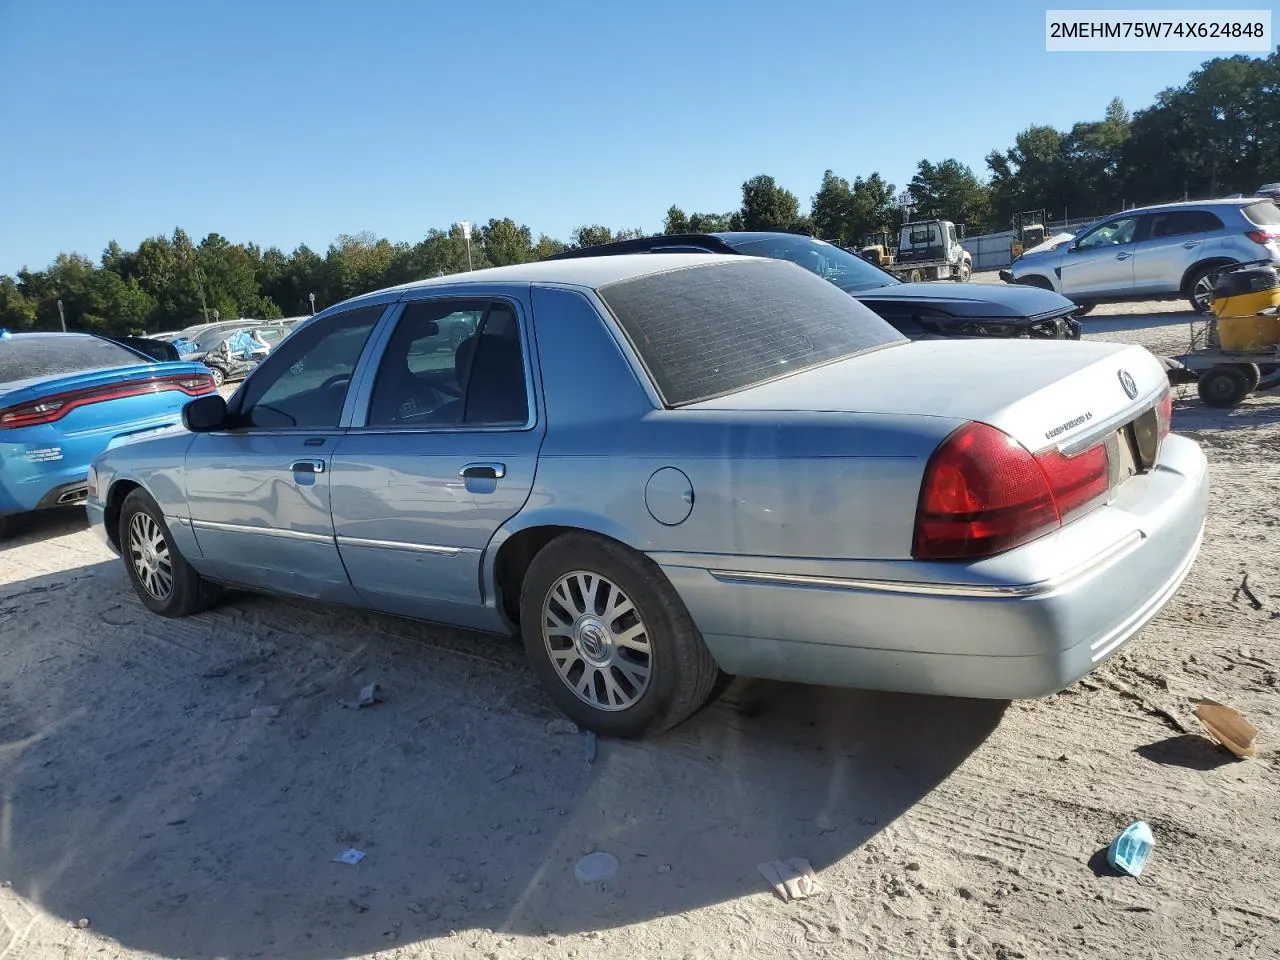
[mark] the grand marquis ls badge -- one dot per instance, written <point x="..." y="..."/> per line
<point x="1126" y="381"/>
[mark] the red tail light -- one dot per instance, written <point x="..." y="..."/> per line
<point x="1263" y="236"/>
<point x="1164" y="413"/>
<point x="50" y="409"/>
<point x="985" y="493"/>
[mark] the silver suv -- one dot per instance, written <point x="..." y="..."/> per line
<point x="1155" y="253"/>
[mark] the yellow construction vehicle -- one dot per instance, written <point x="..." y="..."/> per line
<point x="877" y="248"/>
<point x="1028" y="231"/>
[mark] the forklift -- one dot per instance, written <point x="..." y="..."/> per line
<point x="877" y="248"/>
<point x="1028" y="231"/>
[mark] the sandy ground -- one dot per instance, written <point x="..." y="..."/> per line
<point x="139" y="791"/>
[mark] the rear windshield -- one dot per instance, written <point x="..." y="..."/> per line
<point x="22" y="358"/>
<point x="709" y="330"/>
<point x="1264" y="214"/>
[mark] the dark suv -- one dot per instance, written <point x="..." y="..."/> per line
<point x="919" y="310"/>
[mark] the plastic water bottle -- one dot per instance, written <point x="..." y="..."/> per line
<point x="1129" y="851"/>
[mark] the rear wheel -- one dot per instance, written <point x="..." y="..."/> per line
<point x="915" y="276"/>
<point x="610" y="640"/>
<point x="1223" y="386"/>
<point x="164" y="581"/>
<point x="1200" y="289"/>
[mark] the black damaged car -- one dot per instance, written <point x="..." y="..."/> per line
<point x="919" y="310"/>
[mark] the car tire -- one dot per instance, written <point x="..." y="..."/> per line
<point x="964" y="272"/>
<point x="1252" y="376"/>
<point x="916" y="276"/>
<point x="662" y="676"/>
<point x="163" y="580"/>
<point x="1200" y="285"/>
<point x="219" y="376"/>
<point x="1223" y="386"/>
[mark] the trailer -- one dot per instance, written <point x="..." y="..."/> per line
<point x="1235" y="350"/>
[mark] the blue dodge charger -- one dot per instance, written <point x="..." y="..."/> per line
<point x="66" y="397"/>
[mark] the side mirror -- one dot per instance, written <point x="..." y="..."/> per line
<point x="205" y="414"/>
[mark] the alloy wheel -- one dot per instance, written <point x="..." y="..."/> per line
<point x="149" y="554"/>
<point x="597" y="641"/>
<point x="1203" y="291"/>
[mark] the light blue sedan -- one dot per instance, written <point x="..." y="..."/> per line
<point x="664" y="468"/>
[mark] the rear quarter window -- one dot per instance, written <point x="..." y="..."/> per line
<point x="22" y="358"/>
<point x="703" y="332"/>
<point x="1264" y="214"/>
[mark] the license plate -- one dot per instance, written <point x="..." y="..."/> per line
<point x="1129" y="464"/>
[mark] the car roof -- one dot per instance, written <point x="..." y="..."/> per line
<point x="583" y="271"/>
<point x="1192" y="204"/>
<point x="48" y="335"/>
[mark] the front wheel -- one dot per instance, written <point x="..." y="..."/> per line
<point x="164" y="581"/>
<point x="219" y="376"/>
<point x="964" y="272"/>
<point x="610" y="640"/>
<point x="915" y="276"/>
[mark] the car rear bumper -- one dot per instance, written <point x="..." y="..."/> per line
<point x="37" y="486"/>
<point x="986" y="631"/>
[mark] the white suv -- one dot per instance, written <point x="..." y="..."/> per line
<point x="1155" y="253"/>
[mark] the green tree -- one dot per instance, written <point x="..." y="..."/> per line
<point x="505" y="242"/>
<point x="17" y="312"/>
<point x="675" y="222"/>
<point x="767" y="206"/>
<point x="948" y="190"/>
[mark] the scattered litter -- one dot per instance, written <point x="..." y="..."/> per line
<point x="596" y="867"/>
<point x="1129" y="851"/>
<point x="589" y="747"/>
<point x="665" y="868"/>
<point x="1229" y="727"/>
<point x="265" y="712"/>
<point x="1244" y="588"/>
<point x="82" y="923"/>
<point x="350" y="857"/>
<point x="793" y="879"/>
<point x="562" y="727"/>
<point x="369" y="695"/>
<point x="6" y="885"/>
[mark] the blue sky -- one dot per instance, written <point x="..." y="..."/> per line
<point x="290" y="122"/>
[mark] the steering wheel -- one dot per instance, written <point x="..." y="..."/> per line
<point x="335" y="379"/>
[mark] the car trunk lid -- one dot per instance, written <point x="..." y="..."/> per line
<point x="1043" y="394"/>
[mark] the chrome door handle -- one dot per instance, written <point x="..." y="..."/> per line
<point x="308" y="466"/>
<point x="1122" y="256"/>
<point x="483" y="471"/>
<point x="1191" y="243"/>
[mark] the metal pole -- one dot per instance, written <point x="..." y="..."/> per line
<point x="466" y="235"/>
<point x="312" y="298"/>
<point x="62" y="317"/>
